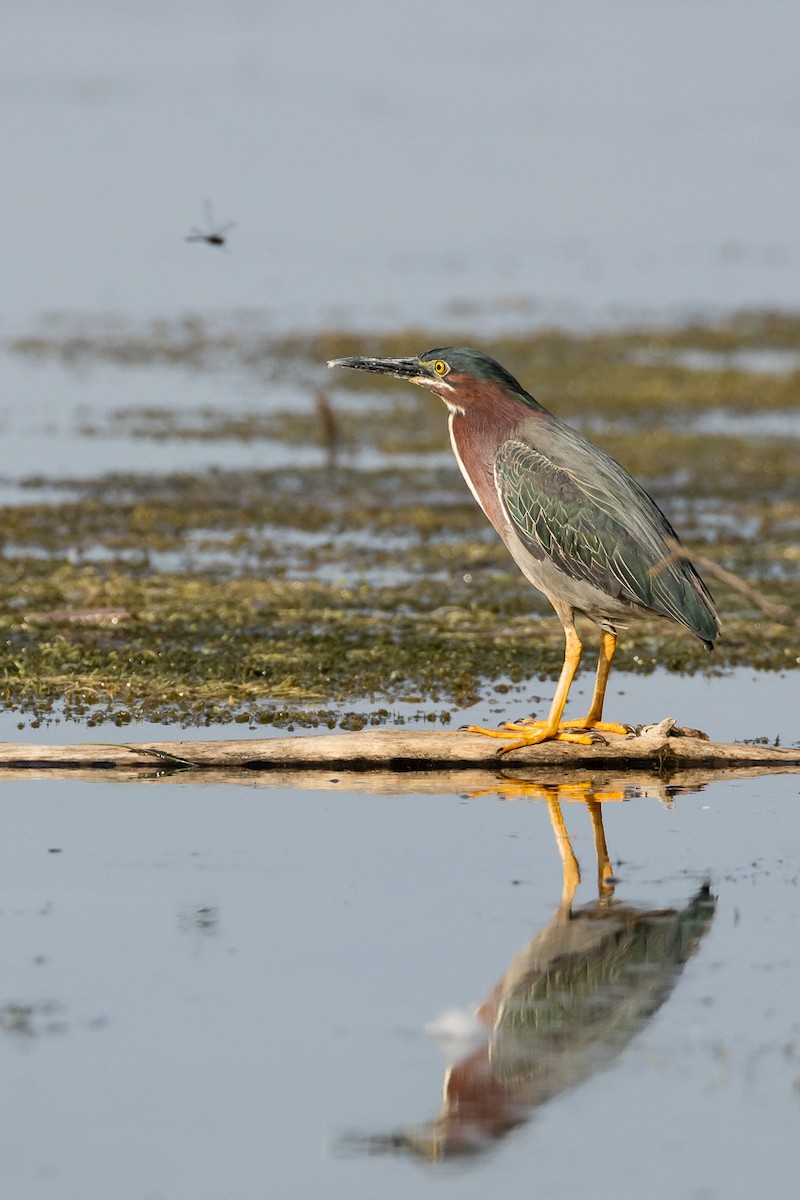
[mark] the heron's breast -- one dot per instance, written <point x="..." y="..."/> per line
<point x="475" y="448"/>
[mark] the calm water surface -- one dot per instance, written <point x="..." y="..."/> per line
<point x="228" y="991"/>
<point x="233" y="991"/>
<point x="569" y="162"/>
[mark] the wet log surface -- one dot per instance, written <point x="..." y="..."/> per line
<point x="659" y="750"/>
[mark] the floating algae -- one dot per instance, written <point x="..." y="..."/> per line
<point x="287" y="596"/>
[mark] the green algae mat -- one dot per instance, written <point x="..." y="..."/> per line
<point x="341" y="567"/>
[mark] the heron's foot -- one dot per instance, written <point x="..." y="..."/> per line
<point x="600" y="726"/>
<point x="532" y="733"/>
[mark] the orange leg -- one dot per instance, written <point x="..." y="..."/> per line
<point x="594" y="718"/>
<point x="533" y="732"/>
<point x="605" y="872"/>
<point x="569" y="863"/>
<point x="572" y="872"/>
<point x="530" y="733"/>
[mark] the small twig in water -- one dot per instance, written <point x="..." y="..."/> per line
<point x="781" y="613"/>
<point x="328" y="425"/>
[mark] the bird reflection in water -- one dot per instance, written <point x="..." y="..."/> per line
<point x="568" y="1004"/>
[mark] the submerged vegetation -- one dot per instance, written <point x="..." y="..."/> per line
<point x="353" y="569"/>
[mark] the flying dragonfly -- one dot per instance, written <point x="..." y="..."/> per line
<point x="214" y="235"/>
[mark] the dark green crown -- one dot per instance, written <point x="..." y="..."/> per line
<point x="465" y="360"/>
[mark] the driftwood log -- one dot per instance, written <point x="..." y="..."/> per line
<point x="408" y="757"/>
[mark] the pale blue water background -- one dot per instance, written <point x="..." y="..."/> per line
<point x="226" y="981"/>
<point x="568" y="161"/>
<point x="222" y="981"/>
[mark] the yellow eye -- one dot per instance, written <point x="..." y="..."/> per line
<point x="440" y="367"/>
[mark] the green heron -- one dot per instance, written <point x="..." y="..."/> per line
<point x="577" y="525"/>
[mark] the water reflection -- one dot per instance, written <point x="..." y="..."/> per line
<point x="568" y="1004"/>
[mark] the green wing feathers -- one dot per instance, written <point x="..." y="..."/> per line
<point x="596" y="525"/>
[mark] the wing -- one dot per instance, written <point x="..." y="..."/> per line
<point x="594" y="523"/>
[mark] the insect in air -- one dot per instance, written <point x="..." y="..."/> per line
<point x="215" y="234"/>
